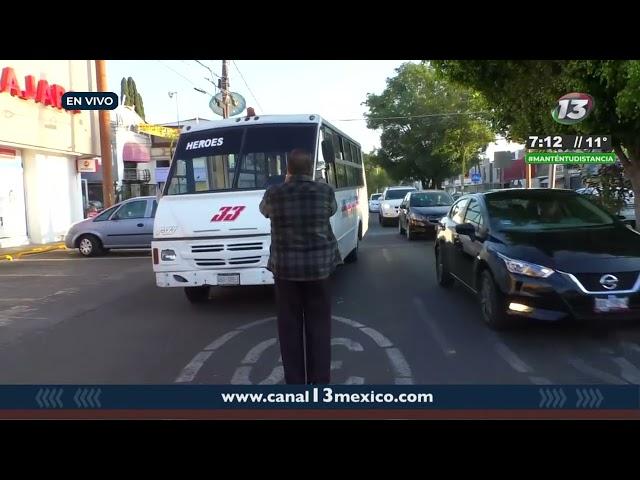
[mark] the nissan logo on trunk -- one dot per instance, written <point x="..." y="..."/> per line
<point x="609" y="281"/>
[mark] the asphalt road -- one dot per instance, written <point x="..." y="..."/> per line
<point x="67" y="319"/>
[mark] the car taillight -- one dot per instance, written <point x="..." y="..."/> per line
<point x="156" y="260"/>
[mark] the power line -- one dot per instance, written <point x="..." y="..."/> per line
<point x="176" y="72"/>
<point x="208" y="68"/>
<point x="248" y="88"/>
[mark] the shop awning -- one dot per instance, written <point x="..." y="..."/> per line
<point x="135" y="152"/>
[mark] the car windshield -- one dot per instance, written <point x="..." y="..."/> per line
<point x="236" y="158"/>
<point x="430" y="199"/>
<point x="397" y="194"/>
<point x="545" y="211"/>
<point x="376" y="196"/>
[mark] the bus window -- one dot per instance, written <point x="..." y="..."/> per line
<point x="359" y="177"/>
<point x="355" y="153"/>
<point x="341" y="175"/>
<point x="351" y="176"/>
<point x="346" y="144"/>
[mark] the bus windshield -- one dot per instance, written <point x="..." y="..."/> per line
<point x="236" y="158"/>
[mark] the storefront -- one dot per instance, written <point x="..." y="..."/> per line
<point x="40" y="144"/>
<point x="131" y="156"/>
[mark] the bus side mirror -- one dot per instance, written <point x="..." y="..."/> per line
<point x="327" y="151"/>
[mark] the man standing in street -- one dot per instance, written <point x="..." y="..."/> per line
<point x="304" y="253"/>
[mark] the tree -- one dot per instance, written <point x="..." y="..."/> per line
<point x="428" y="132"/>
<point x="521" y="95"/>
<point x="130" y="96"/>
<point x="376" y="176"/>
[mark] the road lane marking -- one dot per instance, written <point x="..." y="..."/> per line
<point x="511" y="358"/>
<point x="256" y="323"/>
<point x="583" y="367"/>
<point x="354" y="381"/>
<point x="628" y="370"/>
<point x="218" y="342"/>
<point x="191" y="370"/>
<point x="385" y="254"/>
<point x="436" y="332"/>
<point x="630" y="346"/>
<point x="348" y="321"/>
<point x="347" y="342"/>
<point x="275" y="377"/>
<point x="241" y="375"/>
<point x="540" y="381"/>
<point x="398" y="362"/>
<point x="255" y="353"/>
<point x="377" y="337"/>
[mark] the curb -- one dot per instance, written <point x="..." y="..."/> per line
<point x="33" y="251"/>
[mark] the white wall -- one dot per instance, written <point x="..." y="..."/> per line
<point x="25" y="123"/>
<point x="53" y="195"/>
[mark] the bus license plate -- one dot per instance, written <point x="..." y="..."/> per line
<point x="611" y="303"/>
<point x="228" y="279"/>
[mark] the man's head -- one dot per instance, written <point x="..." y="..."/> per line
<point x="299" y="162"/>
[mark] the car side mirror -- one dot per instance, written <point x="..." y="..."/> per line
<point x="466" y="229"/>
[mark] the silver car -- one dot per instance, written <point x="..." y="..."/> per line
<point x="128" y="224"/>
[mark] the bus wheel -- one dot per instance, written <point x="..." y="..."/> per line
<point x="197" y="294"/>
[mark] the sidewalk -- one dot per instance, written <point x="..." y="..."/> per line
<point x="14" y="253"/>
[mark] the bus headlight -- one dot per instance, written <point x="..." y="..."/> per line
<point x="167" y="255"/>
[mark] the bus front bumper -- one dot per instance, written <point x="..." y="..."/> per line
<point x="226" y="278"/>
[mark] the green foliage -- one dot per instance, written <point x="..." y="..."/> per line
<point x="521" y="94"/>
<point x="130" y="96"/>
<point x="612" y="187"/>
<point x="376" y="176"/>
<point x="416" y="142"/>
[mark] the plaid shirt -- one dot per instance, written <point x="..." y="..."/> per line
<point x="303" y="246"/>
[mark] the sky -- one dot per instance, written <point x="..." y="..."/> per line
<point x="334" y="89"/>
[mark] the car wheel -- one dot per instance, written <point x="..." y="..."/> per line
<point x="400" y="229"/>
<point x="492" y="303"/>
<point x="442" y="272"/>
<point x="197" y="294"/>
<point x="89" y="246"/>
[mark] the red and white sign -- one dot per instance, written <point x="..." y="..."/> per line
<point x="40" y="92"/>
<point x="228" y="214"/>
<point x="87" y="165"/>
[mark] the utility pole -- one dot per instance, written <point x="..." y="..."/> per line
<point x="171" y="95"/>
<point x="224" y="89"/>
<point x="105" y="139"/>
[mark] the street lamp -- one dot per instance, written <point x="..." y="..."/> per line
<point x="171" y="95"/>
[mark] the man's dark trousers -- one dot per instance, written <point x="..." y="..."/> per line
<point x="304" y="310"/>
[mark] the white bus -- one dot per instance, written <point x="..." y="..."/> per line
<point x="208" y="229"/>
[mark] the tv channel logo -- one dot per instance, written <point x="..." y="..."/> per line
<point x="89" y="101"/>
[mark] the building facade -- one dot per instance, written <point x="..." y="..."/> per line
<point x="42" y="147"/>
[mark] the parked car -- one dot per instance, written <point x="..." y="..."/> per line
<point x="374" y="202"/>
<point x="542" y="254"/>
<point x="421" y="211"/>
<point x="128" y="224"/>
<point x="628" y="211"/>
<point x="390" y="204"/>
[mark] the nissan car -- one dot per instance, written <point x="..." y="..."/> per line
<point x="420" y="212"/>
<point x="544" y="254"/>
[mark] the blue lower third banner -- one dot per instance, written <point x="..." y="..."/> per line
<point x="185" y="397"/>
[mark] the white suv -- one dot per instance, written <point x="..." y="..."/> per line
<point x="390" y="203"/>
